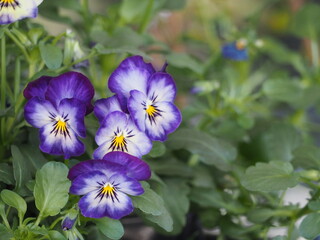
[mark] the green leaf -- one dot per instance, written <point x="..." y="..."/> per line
<point x="111" y="228"/>
<point x="170" y="167"/>
<point x="260" y="215"/>
<point x="283" y="90"/>
<point x="21" y="170"/>
<point x="158" y="149"/>
<point x="51" y="55"/>
<point x="314" y="205"/>
<point x="303" y="24"/>
<point x="55" y="235"/>
<point x="211" y="151"/>
<point x="129" y="10"/>
<point x="14" y="200"/>
<point x="51" y="188"/>
<point x="149" y="202"/>
<point x="280" y="141"/>
<point x="8" y="112"/>
<point x="310" y="226"/>
<point x="5" y="232"/>
<point x="268" y="177"/>
<point x="33" y="157"/>
<point x="6" y="174"/>
<point x="307" y="157"/>
<point x="182" y="60"/>
<point x="103" y="50"/>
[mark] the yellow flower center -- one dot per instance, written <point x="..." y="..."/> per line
<point x="60" y="127"/>
<point x="108" y="190"/>
<point x="8" y="3"/>
<point x="151" y="110"/>
<point x="241" y="44"/>
<point x="118" y="143"/>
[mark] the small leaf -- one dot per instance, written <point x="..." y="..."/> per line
<point x="268" y="177"/>
<point x="307" y="157"/>
<point x="212" y="151"/>
<point x="111" y="228"/>
<point x="182" y="60"/>
<point x="6" y="174"/>
<point x="170" y="167"/>
<point x="55" y="235"/>
<point x="51" y="188"/>
<point x="14" y="200"/>
<point x="260" y="215"/>
<point x="5" y="232"/>
<point x="310" y="226"/>
<point x="149" y="202"/>
<point x="158" y="149"/>
<point x="129" y="10"/>
<point x="51" y="55"/>
<point x="21" y="170"/>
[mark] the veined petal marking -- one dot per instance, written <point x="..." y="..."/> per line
<point x="60" y="125"/>
<point x="9" y="3"/>
<point x="107" y="190"/>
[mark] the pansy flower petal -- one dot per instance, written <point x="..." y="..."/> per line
<point x="137" y="107"/>
<point x="14" y="10"/>
<point x="161" y="87"/>
<point x="166" y="123"/>
<point x="37" y="112"/>
<point x="37" y="88"/>
<point x="74" y="110"/>
<point x="127" y="185"/>
<point x="132" y="73"/>
<point x="104" y="106"/>
<point x="71" y="85"/>
<point x="60" y="144"/>
<point x="108" y="168"/>
<point x="87" y="182"/>
<point x="136" y="168"/>
<point x="93" y="207"/>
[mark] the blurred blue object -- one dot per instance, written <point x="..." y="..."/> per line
<point x="235" y="51"/>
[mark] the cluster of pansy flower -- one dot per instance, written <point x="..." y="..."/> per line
<point x="236" y="50"/>
<point x="141" y="111"/>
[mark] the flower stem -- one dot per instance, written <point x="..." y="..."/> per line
<point x="38" y="219"/>
<point x="17" y="78"/>
<point x="3" y="84"/>
<point x="16" y="41"/>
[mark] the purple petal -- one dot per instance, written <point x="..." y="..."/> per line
<point x="59" y="144"/>
<point x="93" y="207"/>
<point x="71" y="85"/>
<point x="132" y="73"/>
<point x="166" y="123"/>
<point x="108" y="168"/>
<point x="135" y="167"/>
<point x="87" y="182"/>
<point x="37" y="112"/>
<point x="161" y="87"/>
<point x="104" y="106"/>
<point x="37" y="88"/>
<point x="75" y="110"/>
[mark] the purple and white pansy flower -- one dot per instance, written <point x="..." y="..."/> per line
<point x="105" y="189"/>
<point x="60" y="126"/>
<point x="57" y="106"/>
<point x="14" y="10"/>
<point x="119" y="133"/>
<point x="67" y="85"/>
<point x="148" y="95"/>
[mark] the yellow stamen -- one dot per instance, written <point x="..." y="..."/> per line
<point x="151" y="110"/>
<point x="241" y="44"/>
<point x="61" y="126"/>
<point x="108" y="190"/>
<point x="7" y="1"/>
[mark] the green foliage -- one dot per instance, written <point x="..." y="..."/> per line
<point x="14" y="200"/>
<point x="268" y="177"/>
<point x="111" y="228"/>
<point x="310" y="226"/>
<point x="51" y="188"/>
<point x="51" y="55"/>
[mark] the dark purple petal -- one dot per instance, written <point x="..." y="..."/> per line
<point x="132" y="73"/>
<point x="166" y="123"/>
<point x="92" y="165"/>
<point x="71" y="85"/>
<point x="104" y="106"/>
<point x="93" y="207"/>
<point x="136" y="168"/>
<point x="37" y="88"/>
<point x="161" y="87"/>
<point x="75" y="111"/>
<point x="60" y="144"/>
<point x="37" y="112"/>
